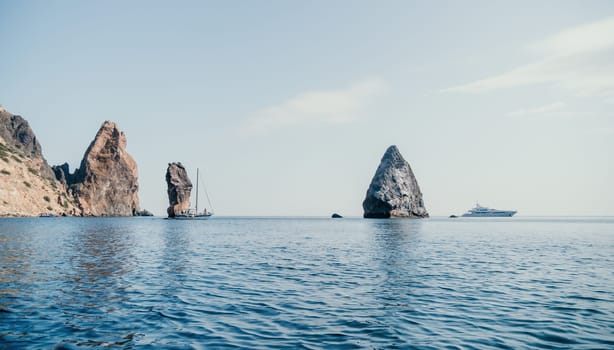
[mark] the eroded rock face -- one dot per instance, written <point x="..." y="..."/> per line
<point x="63" y="175"/>
<point x="179" y="188"/>
<point x="394" y="191"/>
<point x="106" y="183"/>
<point x="17" y="133"/>
<point x="27" y="184"/>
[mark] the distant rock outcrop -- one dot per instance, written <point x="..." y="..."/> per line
<point x="179" y="188"/>
<point x="63" y="175"/>
<point x="106" y="183"/>
<point x="145" y="212"/>
<point x="394" y="191"/>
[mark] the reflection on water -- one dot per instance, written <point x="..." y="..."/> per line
<point x="73" y="273"/>
<point x="393" y="239"/>
<point x="99" y="255"/>
<point x="18" y="255"/>
<point x="175" y="257"/>
<point x="98" y="258"/>
<point x="10" y="267"/>
<point x="306" y="283"/>
<point x="395" y="244"/>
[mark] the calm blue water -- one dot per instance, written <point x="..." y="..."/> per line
<point x="307" y="283"/>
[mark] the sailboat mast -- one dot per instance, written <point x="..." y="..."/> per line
<point x="196" y="190"/>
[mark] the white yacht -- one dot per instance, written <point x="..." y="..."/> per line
<point x="480" y="211"/>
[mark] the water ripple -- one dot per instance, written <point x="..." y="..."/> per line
<point x="306" y="284"/>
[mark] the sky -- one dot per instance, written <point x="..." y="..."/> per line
<point x="287" y="107"/>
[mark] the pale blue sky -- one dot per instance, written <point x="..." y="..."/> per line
<point x="288" y="106"/>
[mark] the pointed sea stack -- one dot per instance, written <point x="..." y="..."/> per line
<point x="106" y="183"/>
<point x="394" y="191"/>
<point x="179" y="188"/>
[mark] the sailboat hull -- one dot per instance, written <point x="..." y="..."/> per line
<point x="193" y="217"/>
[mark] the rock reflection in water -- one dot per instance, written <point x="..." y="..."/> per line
<point x="99" y="257"/>
<point x="302" y="282"/>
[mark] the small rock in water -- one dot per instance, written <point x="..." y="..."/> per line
<point x="336" y="216"/>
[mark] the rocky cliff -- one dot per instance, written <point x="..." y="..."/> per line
<point x="27" y="184"/>
<point x="18" y="135"/>
<point x="179" y="188"/>
<point x="106" y="182"/>
<point x="394" y="191"/>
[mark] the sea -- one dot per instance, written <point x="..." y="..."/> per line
<point x="307" y="283"/>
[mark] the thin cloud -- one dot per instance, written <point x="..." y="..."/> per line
<point x="549" y="109"/>
<point x="602" y="131"/>
<point x="577" y="59"/>
<point x="334" y="106"/>
<point x="591" y="37"/>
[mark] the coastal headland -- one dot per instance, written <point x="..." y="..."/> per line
<point x="105" y="184"/>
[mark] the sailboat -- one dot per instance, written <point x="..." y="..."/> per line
<point x="193" y="214"/>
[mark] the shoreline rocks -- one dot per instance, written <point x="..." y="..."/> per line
<point x="394" y="190"/>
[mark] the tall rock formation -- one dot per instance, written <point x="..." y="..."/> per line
<point x="179" y="188"/>
<point x="27" y="184"/>
<point x="106" y="183"/>
<point x="394" y="191"/>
